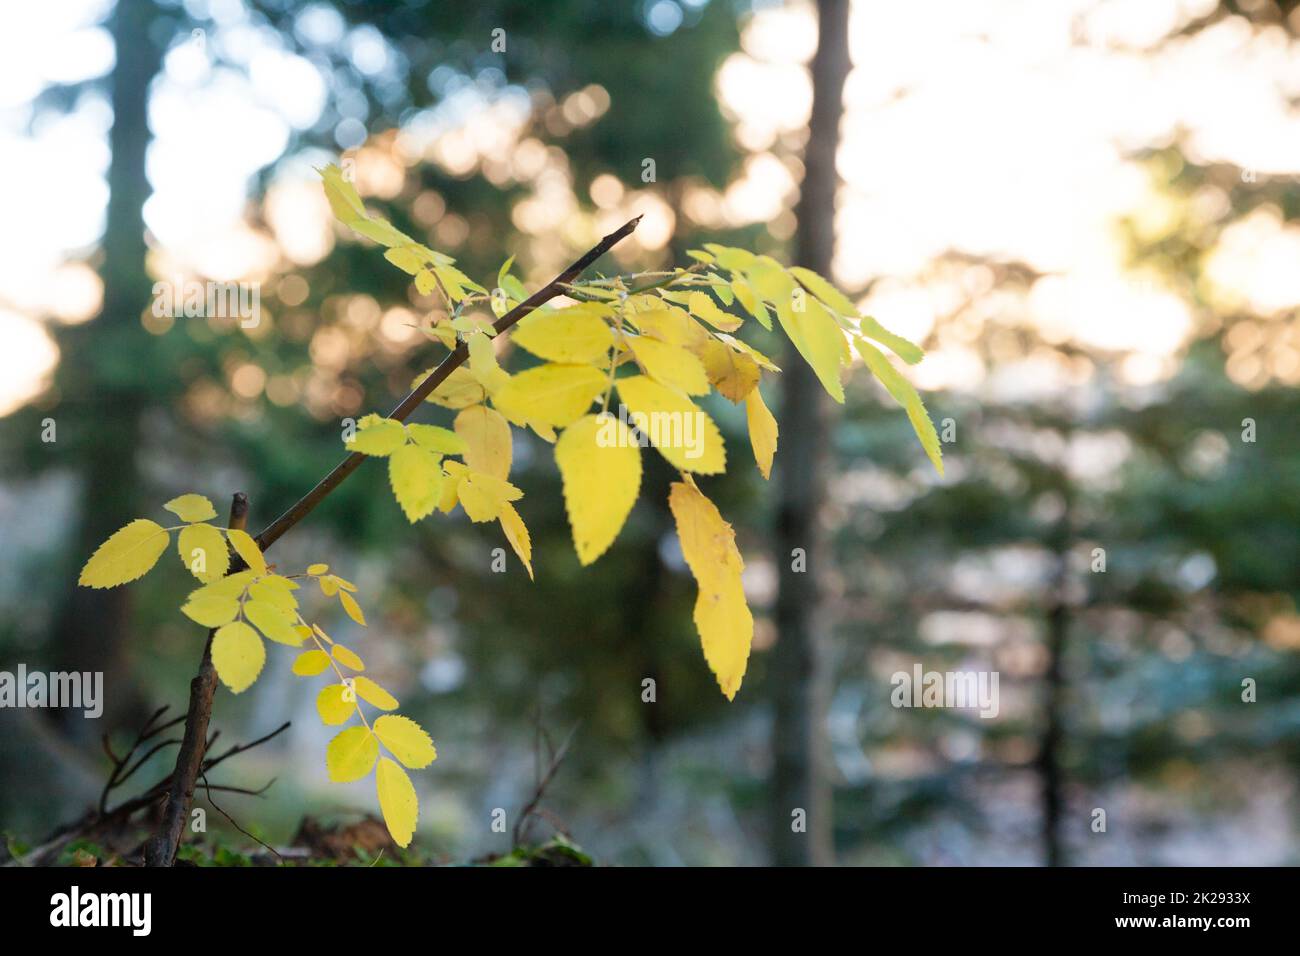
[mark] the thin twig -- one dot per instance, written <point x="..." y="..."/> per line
<point x="531" y="807"/>
<point x="208" y="792"/>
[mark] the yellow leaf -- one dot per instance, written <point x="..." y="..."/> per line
<point x="762" y="431"/>
<point x="203" y="550"/>
<point x="351" y="754"/>
<point x="336" y="703"/>
<point x="517" y="534"/>
<point x="486" y="435"/>
<point x="434" y="438"/>
<point x="747" y="297"/>
<point x="483" y="495"/>
<point x="824" y="290"/>
<point x="275" y="589"/>
<point x="317" y="569"/>
<point x="762" y="360"/>
<point x="483" y="362"/>
<point x="906" y="395"/>
<point x="211" y="610"/>
<point x="406" y="739"/>
<point x="397" y="801"/>
<point x="352" y="608"/>
<point x="457" y="390"/>
<point x="706" y="309"/>
<point x="818" y="338"/>
<point x="722" y="617"/>
<point x="311" y="663"/>
<point x="670" y="365"/>
<point x="551" y="394"/>
<point x="273" y="621"/>
<point x="577" y="334"/>
<point x="679" y="428"/>
<point x="372" y="693"/>
<point x="348" y="658"/>
<point x="191" y="508"/>
<point x="600" y="463"/>
<point x="316" y="629"/>
<point x="671" y="325"/>
<point x="128" y="554"/>
<point x="246" y="547"/>
<point x="342" y="195"/>
<point x="230" y="586"/>
<point x="379" y="436"/>
<point x="900" y="346"/>
<point x="734" y="374"/>
<point x="416" y="479"/>
<point x="238" y="655"/>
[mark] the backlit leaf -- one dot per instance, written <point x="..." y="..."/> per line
<point x="348" y="658"/>
<point x="336" y="703"/>
<point x="246" y="547"/>
<point x="551" y="394"/>
<point x="352" y="608"/>
<point x="238" y="655"/>
<point x="906" y="395"/>
<point x="575" y="334"/>
<point x="372" y="693"/>
<point x="191" y="508"/>
<point x="212" y="610"/>
<point x="600" y="463"/>
<point x="679" y="428"/>
<point x="128" y="554"/>
<point x="517" y="534"/>
<point x="762" y="431"/>
<point x="204" y="552"/>
<point x="351" y="754"/>
<point x="380" y="436"/>
<point x="273" y="621"/>
<point x="397" y="801"/>
<point x="722" y="616"/>
<point x="310" y="663"/>
<point x="416" y="480"/>
<point x="670" y="365"/>
<point x="406" y="739"/>
<point x="486" y="434"/>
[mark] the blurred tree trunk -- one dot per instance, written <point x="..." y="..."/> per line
<point x="1051" y="773"/>
<point x="102" y="394"/>
<point x="799" y="780"/>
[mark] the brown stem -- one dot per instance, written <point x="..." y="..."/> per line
<point x="161" y="848"/>
<point x="406" y="406"/>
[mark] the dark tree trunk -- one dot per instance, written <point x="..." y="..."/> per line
<point x="102" y="399"/>
<point x="1055" y="689"/>
<point x="799" y="780"/>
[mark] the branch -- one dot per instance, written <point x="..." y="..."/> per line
<point x="190" y="765"/>
<point x="161" y="848"/>
<point x="406" y="406"/>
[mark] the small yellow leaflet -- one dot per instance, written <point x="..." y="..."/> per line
<point x="486" y="436"/>
<point x="517" y="534"/>
<point x="416" y="480"/>
<point x="600" y="463"/>
<point x="762" y="431"/>
<point x="203" y="551"/>
<point x="191" y="508"/>
<point x="679" y="428"/>
<point x="129" y="553"/>
<point x="238" y="655"/>
<point x="397" y="801"/>
<point x="722" y="616"/>
<point x="351" y="755"/>
<point x="406" y="739"/>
